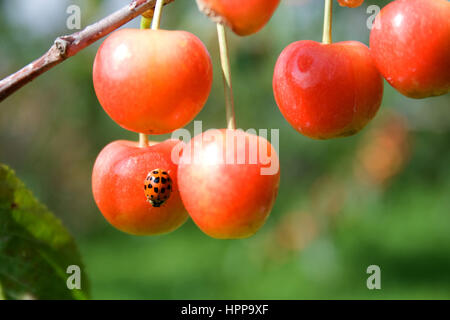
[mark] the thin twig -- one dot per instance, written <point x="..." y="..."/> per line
<point x="67" y="46"/>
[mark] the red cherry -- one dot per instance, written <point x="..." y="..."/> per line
<point x="327" y="90"/>
<point x="243" y="17"/>
<point x="410" y="43"/>
<point x="152" y="81"/>
<point x="117" y="185"/>
<point x="351" y="3"/>
<point x="228" y="199"/>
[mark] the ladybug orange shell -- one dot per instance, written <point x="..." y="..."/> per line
<point x="157" y="187"/>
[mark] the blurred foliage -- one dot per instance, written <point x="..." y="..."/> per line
<point x="380" y="197"/>
<point x="35" y="248"/>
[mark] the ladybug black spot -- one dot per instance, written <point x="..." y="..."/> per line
<point x="164" y="172"/>
<point x="169" y="187"/>
<point x="152" y="196"/>
<point x="163" y="190"/>
<point x="163" y="180"/>
<point x="156" y="189"/>
<point x="155" y="172"/>
<point x="149" y="186"/>
<point x="156" y="180"/>
<point x="145" y="187"/>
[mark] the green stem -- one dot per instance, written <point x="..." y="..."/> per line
<point x="145" y="24"/>
<point x="328" y="22"/>
<point x="225" y="61"/>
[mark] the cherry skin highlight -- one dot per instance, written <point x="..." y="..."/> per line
<point x="327" y="90"/>
<point x="351" y="3"/>
<point x="118" y="188"/>
<point x="152" y="81"/>
<point x="228" y="199"/>
<point x="243" y="17"/>
<point x="410" y="43"/>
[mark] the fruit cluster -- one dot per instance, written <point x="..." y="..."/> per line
<point x="156" y="81"/>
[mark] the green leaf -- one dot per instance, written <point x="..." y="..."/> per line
<point x="35" y="248"/>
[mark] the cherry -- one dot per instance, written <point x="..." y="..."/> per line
<point x="228" y="191"/>
<point x="243" y="17"/>
<point x="410" y="43"/>
<point x="351" y="3"/>
<point x="152" y="81"/>
<point x="118" y="187"/>
<point x="327" y="90"/>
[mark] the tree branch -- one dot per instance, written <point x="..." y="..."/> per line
<point x="67" y="46"/>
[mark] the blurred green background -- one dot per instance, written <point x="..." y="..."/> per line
<point x="381" y="197"/>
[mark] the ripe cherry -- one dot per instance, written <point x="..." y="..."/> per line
<point x="152" y="81"/>
<point x="228" y="190"/>
<point x="351" y="3"/>
<point x="327" y="90"/>
<point x="410" y="43"/>
<point x="117" y="185"/>
<point x="243" y="17"/>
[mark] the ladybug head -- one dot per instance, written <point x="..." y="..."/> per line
<point x="156" y="203"/>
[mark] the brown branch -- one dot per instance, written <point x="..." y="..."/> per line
<point x="67" y="46"/>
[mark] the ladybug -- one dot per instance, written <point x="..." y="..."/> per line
<point x="157" y="187"/>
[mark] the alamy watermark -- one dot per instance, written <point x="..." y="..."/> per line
<point x="73" y="21"/>
<point x="374" y="280"/>
<point x="74" y="280"/>
<point x="373" y="23"/>
<point x="232" y="147"/>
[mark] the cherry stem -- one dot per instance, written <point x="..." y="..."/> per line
<point x="328" y="22"/>
<point x="145" y="24"/>
<point x="225" y="61"/>
<point x="157" y="15"/>
<point x="143" y="140"/>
